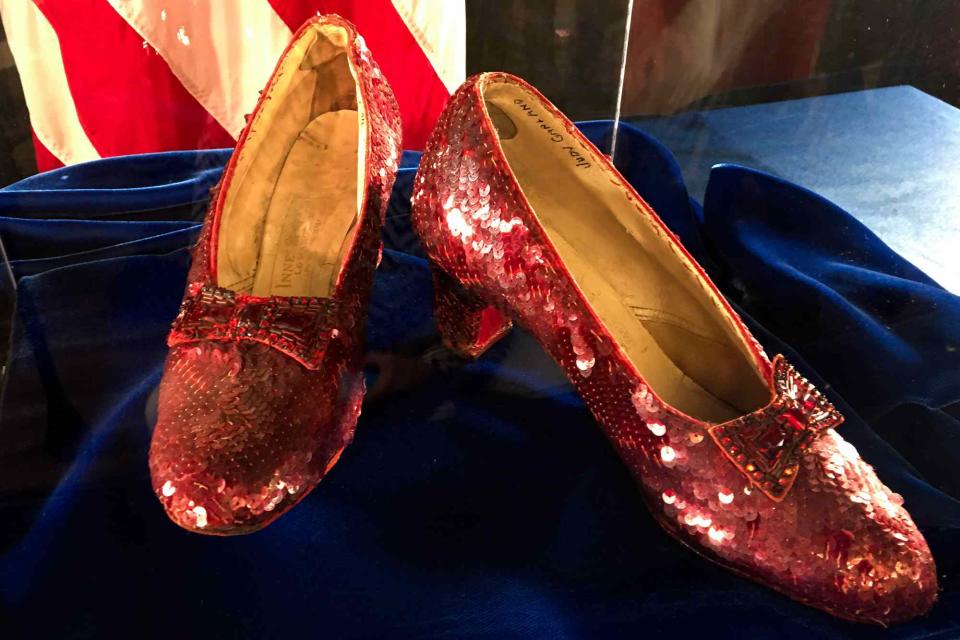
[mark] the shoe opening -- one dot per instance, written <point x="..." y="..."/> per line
<point x="295" y="196"/>
<point x="649" y="296"/>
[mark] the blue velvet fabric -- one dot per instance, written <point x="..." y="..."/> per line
<point x="480" y="502"/>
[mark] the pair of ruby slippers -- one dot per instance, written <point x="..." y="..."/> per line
<point x="523" y="220"/>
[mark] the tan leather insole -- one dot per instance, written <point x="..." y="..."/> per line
<point x="651" y="306"/>
<point x="290" y="210"/>
<point x="312" y="211"/>
<point x="600" y="285"/>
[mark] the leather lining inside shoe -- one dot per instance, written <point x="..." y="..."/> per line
<point x="294" y="200"/>
<point x="659" y="312"/>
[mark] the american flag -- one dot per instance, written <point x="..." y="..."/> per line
<point x="114" y="77"/>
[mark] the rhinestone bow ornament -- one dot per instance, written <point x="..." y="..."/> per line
<point x="767" y="445"/>
<point x="298" y="327"/>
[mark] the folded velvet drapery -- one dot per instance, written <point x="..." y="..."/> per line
<point x="481" y="501"/>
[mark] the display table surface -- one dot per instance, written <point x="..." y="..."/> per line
<point x="477" y="501"/>
<point x="889" y="156"/>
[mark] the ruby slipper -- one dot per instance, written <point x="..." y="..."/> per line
<point x="263" y="383"/>
<point x="737" y="456"/>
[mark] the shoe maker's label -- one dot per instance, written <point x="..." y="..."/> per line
<point x="291" y="268"/>
<point x="571" y="147"/>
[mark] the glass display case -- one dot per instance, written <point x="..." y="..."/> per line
<point x="482" y="318"/>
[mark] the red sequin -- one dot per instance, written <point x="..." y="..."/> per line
<point x="299" y="327"/>
<point x="776" y="495"/>
<point x="260" y="395"/>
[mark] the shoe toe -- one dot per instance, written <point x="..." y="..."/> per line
<point x="222" y="493"/>
<point x="875" y="565"/>
<point x="911" y="594"/>
<point x="840" y="540"/>
<point x="243" y="434"/>
<point x="865" y="574"/>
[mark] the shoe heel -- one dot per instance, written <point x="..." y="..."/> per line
<point x="469" y="325"/>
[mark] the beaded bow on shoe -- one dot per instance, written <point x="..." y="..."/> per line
<point x="767" y="445"/>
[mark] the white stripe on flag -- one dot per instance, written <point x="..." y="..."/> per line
<point x="223" y="51"/>
<point x="36" y="50"/>
<point x="440" y="28"/>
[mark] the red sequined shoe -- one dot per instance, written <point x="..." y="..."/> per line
<point x="263" y="383"/>
<point x="737" y="456"/>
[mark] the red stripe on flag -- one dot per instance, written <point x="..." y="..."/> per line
<point x="420" y="93"/>
<point x="128" y="99"/>
<point x="45" y="159"/>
